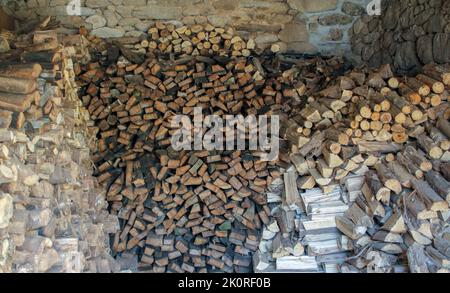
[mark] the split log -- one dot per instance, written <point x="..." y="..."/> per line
<point x="349" y="229"/>
<point x="23" y="71"/>
<point x="431" y="199"/>
<point x="18" y="102"/>
<point x="388" y="178"/>
<point x="439" y="184"/>
<point x="17" y="86"/>
<point x="429" y="146"/>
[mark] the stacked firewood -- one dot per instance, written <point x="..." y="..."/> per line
<point x="53" y="215"/>
<point x="186" y="211"/>
<point x="366" y="138"/>
<point x="180" y="211"/>
<point x="338" y="130"/>
<point x="205" y="40"/>
<point x="403" y="207"/>
<point x="302" y="236"/>
<point x="396" y="184"/>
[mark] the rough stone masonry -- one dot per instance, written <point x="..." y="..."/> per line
<point x="407" y="34"/>
<point x="294" y="25"/>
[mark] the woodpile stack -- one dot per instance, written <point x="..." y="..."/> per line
<point x="394" y="175"/>
<point x="188" y="211"/>
<point x="359" y="115"/>
<point x="53" y="215"/>
<point x="303" y="236"/>
<point x="362" y="148"/>
<point x="205" y="40"/>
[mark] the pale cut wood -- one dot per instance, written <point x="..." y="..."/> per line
<point x="377" y="147"/>
<point x="438" y="137"/>
<point x="418" y="86"/>
<point x="388" y="178"/>
<point x="349" y="229"/>
<point x="418" y="209"/>
<point x="439" y="184"/>
<point x="444" y="126"/>
<point x="418" y="159"/>
<point x="436" y="86"/>
<point x="442" y="71"/>
<point x="431" y="199"/>
<point x="401" y="173"/>
<point x="291" y="191"/>
<point x="306" y="182"/>
<point x="17" y="86"/>
<point x="399" y="101"/>
<point x="388" y="237"/>
<point x="428" y="145"/>
<point x="25" y="71"/>
<point x="374" y="189"/>
<point x="410" y="166"/>
<point x="17" y="102"/>
<point x="413" y="97"/>
<point x="358" y="216"/>
<point x="331" y="159"/>
<point x="300" y="164"/>
<point x="417" y="259"/>
<point x="395" y="224"/>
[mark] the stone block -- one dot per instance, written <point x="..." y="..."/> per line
<point x="124" y="11"/>
<point x="129" y="21"/>
<point x="97" y="21"/>
<point x="134" y="2"/>
<point x="353" y="9"/>
<point x="218" y="20"/>
<point x="266" y="6"/>
<point x="302" y="47"/>
<point x="97" y="3"/>
<point x="6" y="209"/>
<point x="441" y="45"/>
<point x="42" y="190"/>
<point x="197" y="10"/>
<point x="405" y="59"/>
<point x="294" y="32"/>
<point x="266" y="38"/>
<point x="62" y="11"/>
<point x="225" y="5"/>
<point x="4" y="45"/>
<point x="111" y="18"/>
<point x="335" y="19"/>
<point x="309" y="6"/>
<point x="134" y="34"/>
<point x="335" y="34"/>
<point x="143" y="26"/>
<point x="158" y="12"/>
<point x="39" y="218"/>
<point x="254" y="27"/>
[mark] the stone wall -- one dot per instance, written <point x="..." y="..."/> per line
<point x="6" y="22"/>
<point x="297" y="25"/>
<point x="408" y="34"/>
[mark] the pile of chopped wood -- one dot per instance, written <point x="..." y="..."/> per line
<point x="358" y="116"/>
<point x="188" y="211"/>
<point x="302" y="236"/>
<point x="362" y="186"/>
<point x="53" y="215"/>
<point x="385" y="141"/>
<point x="205" y="40"/>
<point x="362" y="183"/>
